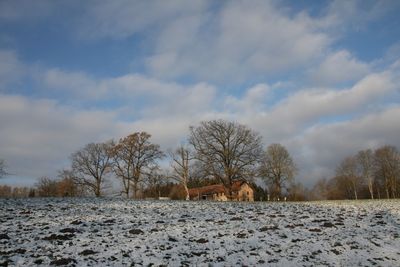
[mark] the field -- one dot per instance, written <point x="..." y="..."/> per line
<point x="106" y="232"/>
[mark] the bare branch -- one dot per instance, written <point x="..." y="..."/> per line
<point x="91" y="164"/>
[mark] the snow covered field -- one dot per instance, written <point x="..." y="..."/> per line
<point x="104" y="232"/>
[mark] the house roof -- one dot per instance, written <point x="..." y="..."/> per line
<point x="214" y="189"/>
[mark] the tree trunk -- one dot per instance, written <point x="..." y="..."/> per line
<point x="97" y="191"/>
<point x="127" y="187"/>
<point x="229" y="195"/>
<point x="371" y="189"/>
<point x="278" y="191"/>
<point x="394" y="189"/>
<point x="187" y="192"/>
<point x="135" y="189"/>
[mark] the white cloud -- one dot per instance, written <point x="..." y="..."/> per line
<point x="253" y="101"/>
<point x="322" y="102"/>
<point x="82" y="85"/>
<point x="189" y="101"/>
<point x="135" y="85"/>
<point x="37" y="136"/>
<point x="153" y="96"/>
<point x="244" y="40"/>
<point x="337" y="68"/>
<point x="302" y="109"/>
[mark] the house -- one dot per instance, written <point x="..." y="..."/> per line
<point x="241" y="191"/>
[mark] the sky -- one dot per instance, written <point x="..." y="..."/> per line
<point x="320" y="77"/>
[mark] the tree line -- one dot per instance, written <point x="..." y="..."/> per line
<point x="368" y="174"/>
<point x="216" y="151"/>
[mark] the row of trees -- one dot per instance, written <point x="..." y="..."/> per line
<point x="7" y="191"/>
<point x="45" y="187"/>
<point x="367" y="174"/>
<point x="217" y="151"/>
<point x="221" y="150"/>
<point x="64" y="186"/>
<point x="131" y="160"/>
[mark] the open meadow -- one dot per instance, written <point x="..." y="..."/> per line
<point x="109" y="232"/>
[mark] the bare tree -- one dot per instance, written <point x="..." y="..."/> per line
<point x="387" y="160"/>
<point x="347" y="170"/>
<point x="226" y="150"/>
<point x="20" y="192"/>
<point x="180" y="163"/>
<point x="131" y="156"/>
<point x="122" y="158"/>
<point x="365" y="160"/>
<point x="320" y="190"/>
<point x="368" y="174"/>
<point x="297" y="192"/>
<point x="5" y="191"/>
<point x="90" y="165"/>
<point x="46" y="187"/>
<point x="67" y="186"/>
<point x="154" y="178"/>
<point x="2" y="168"/>
<point x="277" y="168"/>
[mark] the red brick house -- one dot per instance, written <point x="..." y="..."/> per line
<point x="241" y="191"/>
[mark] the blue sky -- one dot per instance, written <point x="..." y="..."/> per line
<point x="320" y="77"/>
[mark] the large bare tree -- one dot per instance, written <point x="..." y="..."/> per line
<point x="180" y="163"/>
<point x="277" y="168"/>
<point x="131" y="157"/>
<point x="90" y="166"/>
<point x="228" y="151"/>
<point x="387" y="160"/>
<point x="365" y="160"/>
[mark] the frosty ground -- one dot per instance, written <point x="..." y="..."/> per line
<point x="106" y="232"/>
